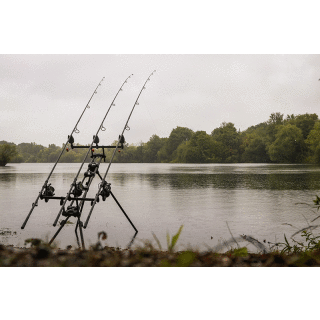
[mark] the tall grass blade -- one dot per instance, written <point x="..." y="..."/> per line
<point x="175" y="238"/>
<point x="157" y="241"/>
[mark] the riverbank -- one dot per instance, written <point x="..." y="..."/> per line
<point x="44" y="256"/>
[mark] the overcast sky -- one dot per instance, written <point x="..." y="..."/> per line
<point x="42" y="96"/>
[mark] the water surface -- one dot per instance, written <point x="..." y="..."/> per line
<point x="255" y="199"/>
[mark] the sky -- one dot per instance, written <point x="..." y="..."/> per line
<point x="43" y="95"/>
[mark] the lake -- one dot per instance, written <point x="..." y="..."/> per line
<point x="254" y="199"/>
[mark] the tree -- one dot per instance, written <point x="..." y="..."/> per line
<point x="152" y="147"/>
<point x="228" y="141"/>
<point x="274" y="122"/>
<point x="288" y="146"/>
<point x="255" y="150"/>
<point x="178" y="135"/>
<point x="199" y="149"/>
<point x="7" y="152"/>
<point x="276" y="118"/>
<point x="313" y="142"/>
<point x="306" y="123"/>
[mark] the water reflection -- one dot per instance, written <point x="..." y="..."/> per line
<point x="8" y="177"/>
<point x="298" y="181"/>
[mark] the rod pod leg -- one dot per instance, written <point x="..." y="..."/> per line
<point x="81" y="234"/>
<point x="131" y="242"/>
<point x="63" y="222"/>
<point x="75" y="230"/>
<point x="123" y="211"/>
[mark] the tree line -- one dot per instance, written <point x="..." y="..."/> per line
<point x="290" y="139"/>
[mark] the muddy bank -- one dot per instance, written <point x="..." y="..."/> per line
<point x="44" y="256"/>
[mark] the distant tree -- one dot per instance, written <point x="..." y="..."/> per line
<point x="199" y="149"/>
<point x="274" y="122"/>
<point x="313" y="142"/>
<point x="128" y="154"/>
<point x="152" y="147"/>
<point x="7" y="152"/>
<point x="255" y="150"/>
<point x="178" y="135"/>
<point x="276" y="118"/>
<point x="227" y="140"/>
<point x="305" y="122"/>
<point x="288" y="145"/>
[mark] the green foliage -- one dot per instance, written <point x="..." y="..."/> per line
<point x="7" y="152"/>
<point x="151" y="149"/>
<point x="227" y="140"/>
<point x="240" y="252"/>
<point x="184" y="259"/>
<point x="177" y="136"/>
<point x="294" y="139"/>
<point x="255" y="149"/>
<point x="305" y="122"/>
<point x="199" y="149"/>
<point x="317" y="202"/>
<point x="313" y="142"/>
<point x="288" y="146"/>
<point x="309" y="243"/>
<point x="171" y="243"/>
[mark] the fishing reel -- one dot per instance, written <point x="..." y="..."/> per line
<point x="47" y="192"/>
<point x="106" y="190"/>
<point x="78" y="189"/>
<point x="72" y="211"/>
<point x="91" y="168"/>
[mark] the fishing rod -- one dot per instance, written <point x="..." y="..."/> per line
<point x="48" y="189"/>
<point x="104" y="187"/>
<point x="74" y="186"/>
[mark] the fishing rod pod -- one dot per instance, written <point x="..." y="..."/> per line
<point x="95" y="138"/>
<point x="44" y="188"/>
<point x="77" y="193"/>
<point x="121" y="138"/>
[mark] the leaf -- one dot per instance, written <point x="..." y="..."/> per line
<point x="157" y="240"/>
<point x="175" y="238"/>
<point x="317" y="201"/>
<point x="285" y="238"/>
<point x="168" y="240"/>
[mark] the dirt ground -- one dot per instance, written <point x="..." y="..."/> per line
<point x="44" y="256"/>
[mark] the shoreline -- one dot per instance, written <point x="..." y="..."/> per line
<point x="45" y="256"/>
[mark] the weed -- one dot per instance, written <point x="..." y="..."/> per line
<point x="171" y="243"/>
<point x="240" y="252"/>
<point x="184" y="259"/>
<point x="309" y="243"/>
